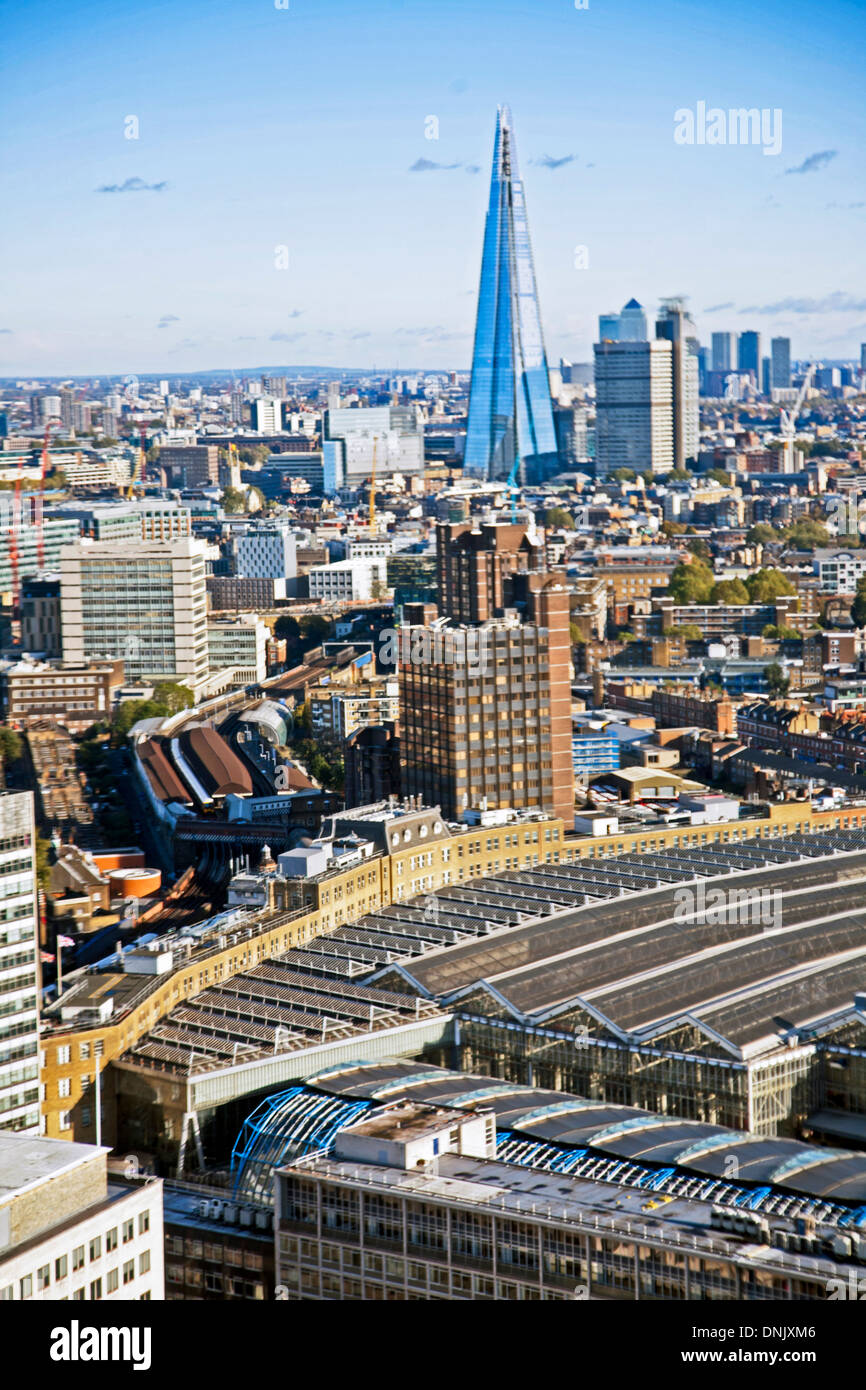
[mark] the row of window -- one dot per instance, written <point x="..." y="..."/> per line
<point x="40" y="1282"/>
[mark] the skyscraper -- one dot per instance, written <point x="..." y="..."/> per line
<point x="780" y="371"/>
<point x="632" y="323"/>
<point x="634" y="407"/>
<point x="490" y="730"/>
<point x="723" y="352"/>
<point x="677" y="326"/>
<point x="749" y="355"/>
<point x="19" y="945"/>
<point x="510" y="428"/>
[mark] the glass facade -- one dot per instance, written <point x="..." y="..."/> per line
<point x="510" y="431"/>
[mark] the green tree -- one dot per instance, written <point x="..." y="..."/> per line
<point x="730" y="591"/>
<point x="766" y="585"/>
<point x="11" y="746"/>
<point x="691" y="583"/>
<point x="172" y="696"/>
<point x="807" y="535"/>
<point x="720" y="476"/>
<point x="775" y="633"/>
<point x="690" y="632"/>
<point x="777" y="682"/>
<point x="858" y="607"/>
<point x="701" y="549"/>
<point x="673" y="528"/>
<point x="559" y="519"/>
<point x="233" y="501"/>
<point x="678" y="475"/>
<point x="761" y="534"/>
<point x="623" y="475"/>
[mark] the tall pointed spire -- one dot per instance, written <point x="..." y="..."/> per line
<point x="510" y="431"/>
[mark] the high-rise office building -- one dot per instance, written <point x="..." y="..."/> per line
<point x="19" y="965"/>
<point x="267" y="415"/>
<point x="863" y="357"/>
<point x="780" y="371"/>
<point x="473" y="562"/>
<point x="485" y="707"/>
<point x="749" y="355"/>
<point x="393" y="435"/>
<point x="510" y="427"/>
<point x="766" y="376"/>
<point x="146" y="604"/>
<point x="632" y="323"/>
<point x="266" y="550"/>
<point x="676" y="325"/>
<point x="190" y="465"/>
<point x="723" y="352"/>
<point x="634" y="407"/>
<point x="608" y="328"/>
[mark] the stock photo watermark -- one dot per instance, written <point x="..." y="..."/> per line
<point x="757" y="907"/>
<point x="713" y="125"/>
<point x="424" y="646"/>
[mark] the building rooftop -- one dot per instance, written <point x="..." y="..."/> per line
<point x="27" y="1160"/>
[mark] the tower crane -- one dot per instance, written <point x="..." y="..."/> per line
<point x="788" y="422"/>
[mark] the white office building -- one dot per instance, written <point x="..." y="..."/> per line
<point x="394" y="433"/>
<point x="146" y="604"/>
<point x="19" y="965"/>
<point x="349" y="579"/>
<point x="634" y="406"/>
<point x="266" y="550"/>
<point x="267" y="413"/>
<point x="69" y="1230"/>
<point x="239" y="644"/>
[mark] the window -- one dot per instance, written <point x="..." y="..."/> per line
<point x="78" y="1258"/>
<point x="78" y="1294"/>
<point x="84" y="1051"/>
<point x="64" y="1056"/>
<point x="27" y="1286"/>
<point x="65" y="1120"/>
<point x="129" y="1271"/>
<point x="111" y="1240"/>
<point x="64" y="1087"/>
<point x="60" y="1267"/>
<point x="128" y="1231"/>
<point x="96" y="1248"/>
<point x="96" y="1289"/>
<point x="144" y="1262"/>
<point x="111" y="1281"/>
<point x="43" y="1277"/>
<point x="143" y="1222"/>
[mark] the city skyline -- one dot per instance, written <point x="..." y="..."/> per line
<point x="157" y="253"/>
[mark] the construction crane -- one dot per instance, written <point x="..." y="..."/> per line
<point x="788" y="422"/>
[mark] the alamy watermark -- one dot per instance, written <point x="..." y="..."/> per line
<point x="467" y="648"/>
<point x="758" y="907"/>
<point x="712" y="125"/>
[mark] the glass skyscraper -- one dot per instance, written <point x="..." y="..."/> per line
<point x="510" y="432"/>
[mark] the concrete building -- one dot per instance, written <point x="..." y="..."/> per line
<point x="456" y="1189"/>
<point x="723" y="352"/>
<point x="634" y="406"/>
<point x="190" y="465"/>
<point x="148" y="607"/>
<point x="40" y="615"/>
<point x="239" y="643"/>
<point x="780" y="364"/>
<point x="372" y="761"/>
<point x="267" y="415"/>
<point x="20" y="974"/>
<point x="57" y="531"/>
<point x="69" y="1230"/>
<point x="676" y="326"/>
<point x="349" y="579"/>
<point x="266" y="550"/>
<point x="485" y="711"/>
<point x="337" y="713"/>
<point x="473" y="563"/>
<point x="394" y="433"/>
<point x="78" y="695"/>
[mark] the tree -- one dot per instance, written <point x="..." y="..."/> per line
<point x="690" y="632"/>
<point x="762" y="534"/>
<point x="172" y="696"/>
<point x="766" y="585"/>
<point x="673" y="528"/>
<point x="807" y="535"/>
<point x="691" y="583"/>
<point x="720" y="476"/>
<point x="287" y="629"/>
<point x="775" y="633"/>
<point x="701" y="549"/>
<point x="678" y="475"/>
<point x="233" y="501"/>
<point x="11" y="747"/>
<point x="730" y="591"/>
<point x="558" y="517"/>
<point x="623" y="475"/>
<point x="777" y="682"/>
<point x="858" y="607"/>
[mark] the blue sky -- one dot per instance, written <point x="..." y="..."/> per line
<point x="262" y="127"/>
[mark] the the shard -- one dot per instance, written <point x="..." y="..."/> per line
<point x="510" y="432"/>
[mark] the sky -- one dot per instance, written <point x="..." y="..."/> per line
<point x="283" y="204"/>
